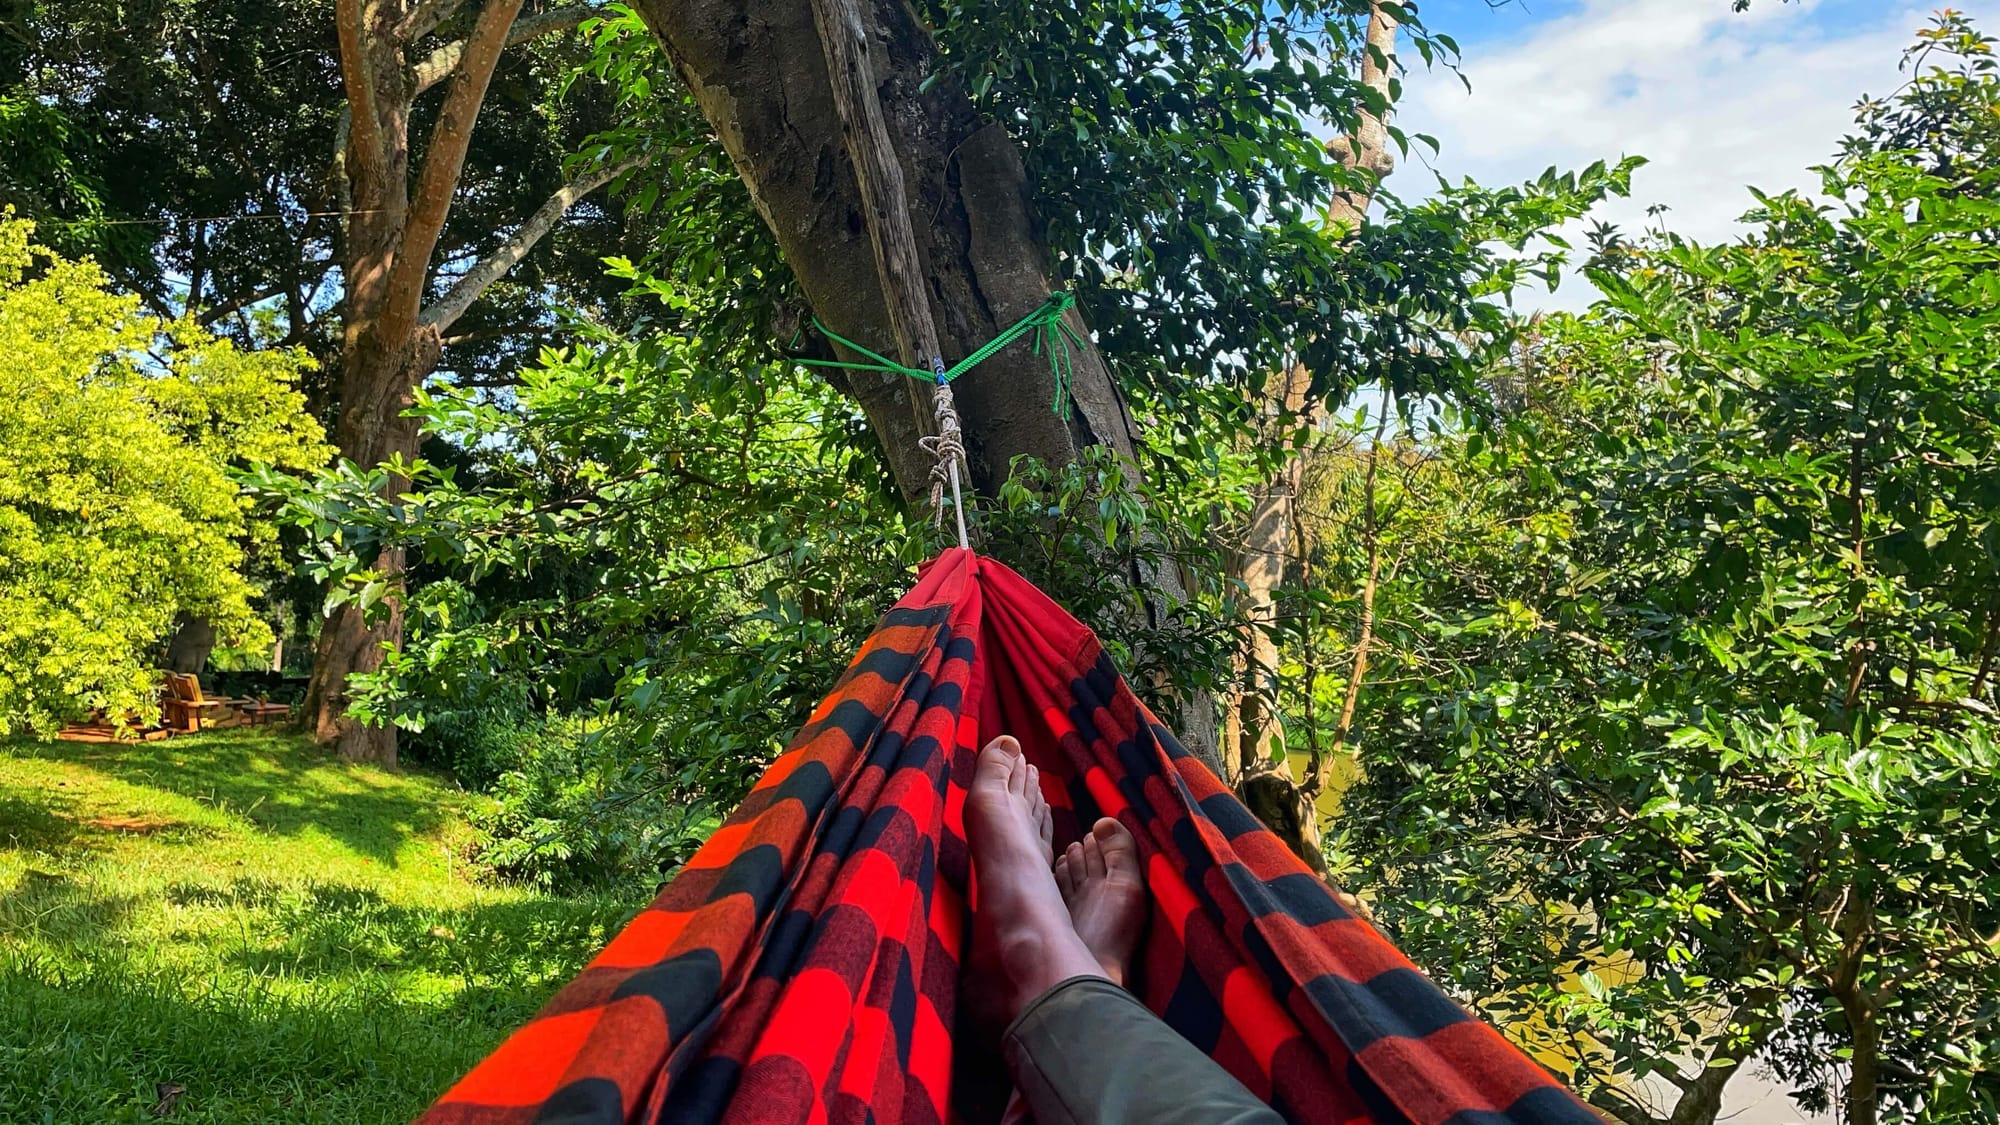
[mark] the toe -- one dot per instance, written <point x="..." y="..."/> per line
<point x="1093" y="857"/>
<point x="995" y="765"/>
<point x="1017" y="778"/>
<point x="1063" y="883"/>
<point x="1120" y="850"/>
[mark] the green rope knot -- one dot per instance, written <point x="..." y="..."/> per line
<point x="1053" y="338"/>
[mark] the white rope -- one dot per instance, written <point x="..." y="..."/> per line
<point x="949" y="449"/>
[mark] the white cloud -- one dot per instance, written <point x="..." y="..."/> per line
<point x="1716" y="101"/>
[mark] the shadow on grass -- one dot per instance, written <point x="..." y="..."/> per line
<point x="327" y="929"/>
<point x="336" y="1022"/>
<point x="279" y="781"/>
<point x="36" y="823"/>
<point x="61" y="910"/>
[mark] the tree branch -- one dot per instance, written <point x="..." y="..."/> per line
<point x="494" y="266"/>
<point x="439" y="64"/>
<point x="1613" y="1101"/>
<point x="438" y="181"/>
<point x="246" y="300"/>
<point x="364" y="126"/>
<point x="425" y="18"/>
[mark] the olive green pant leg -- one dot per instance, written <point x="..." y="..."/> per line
<point x="1086" y="1052"/>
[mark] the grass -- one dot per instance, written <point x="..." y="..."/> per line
<point x="282" y="936"/>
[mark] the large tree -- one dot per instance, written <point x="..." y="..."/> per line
<point x="117" y="511"/>
<point x="396" y="311"/>
<point x="1160" y="162"/>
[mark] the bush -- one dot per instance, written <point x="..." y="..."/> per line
<point x="116" y="509"/>
<point x="587" y="806"/>
<point x="478" y="744"/>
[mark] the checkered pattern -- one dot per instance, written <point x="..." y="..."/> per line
<point x="805" y="965"/>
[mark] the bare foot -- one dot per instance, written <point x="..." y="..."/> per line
<point x="1021" y="912"/>
<point x="1101" y="880"/>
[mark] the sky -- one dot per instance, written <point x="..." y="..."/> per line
<point x="1714" y="100"/>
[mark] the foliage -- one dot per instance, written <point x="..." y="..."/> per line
<point x="116" y="512"/>
<point x="570" y="814"/>
<point x="209" y="130"/>
<point x="695" y="551"/>
<point x="285" y="936"/>
<point x="1691" y="754"/>
<point x="678" y="561"/>
<point x="1180" y="181"/>
<point x="41" y="177"/>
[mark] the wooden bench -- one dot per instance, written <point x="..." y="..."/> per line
<point x="258" y="712"/>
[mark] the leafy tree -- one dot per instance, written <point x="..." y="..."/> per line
<point x="116" y="510"/>
<point x="1692" y="760"/>
<point x="396" y="200"/>
<point x="696" y="550"/>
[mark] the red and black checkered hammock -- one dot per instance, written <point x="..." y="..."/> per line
<point x="805" y="964"/>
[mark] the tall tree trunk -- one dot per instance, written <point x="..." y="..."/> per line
<point x="1264" y="779"/>
<point x="390" y="340"/>
<point x="757" y="70"/>
<point x="1253" y="731"/>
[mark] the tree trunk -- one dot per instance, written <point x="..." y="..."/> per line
<point x="375" y="391"/>
<point x="1253" y="731"/>
<point x="758" y="72"/>
<point x="389" y="340"/>
<point x="193" y="640"/>
<point x="1268" y="786"/>
<point x="1860" y="1105"/>
<point x="1859" y="1007"/>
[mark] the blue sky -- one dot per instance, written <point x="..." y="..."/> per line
<point x="1715" y="100"/>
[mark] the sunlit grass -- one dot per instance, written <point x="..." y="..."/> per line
<point x="286" y="937"/>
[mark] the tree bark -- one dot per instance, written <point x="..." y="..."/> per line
<point x="758" y="72"/>
<point x="193" y="640"/>
<point x="389" y="342"/>
<point x="1860" y="1008"/>
<point x="1252" y="727"/>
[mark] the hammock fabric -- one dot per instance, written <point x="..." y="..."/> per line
<point x="805" y="964"/>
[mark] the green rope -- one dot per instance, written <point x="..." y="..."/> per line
<point x="1053" y="337"/>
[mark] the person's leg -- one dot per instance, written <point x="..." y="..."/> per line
<point x="1082" y="1050"/>
<point x="1088" y="1053"/>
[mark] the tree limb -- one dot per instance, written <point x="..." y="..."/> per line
<point x="438" y="181"/>
<point x="363" y="145"/>
<point x="439" y="64"/>
<point x="425" y="17"/>
<point x="246" y="300"/>
<point x="1612" y="1101"/>
<point x="494" y="266"/>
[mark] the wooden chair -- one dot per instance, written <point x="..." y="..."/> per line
<point x="184" y="708"/>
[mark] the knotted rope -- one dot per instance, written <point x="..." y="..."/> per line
<point x="1053" y="337"/>
<point x="948" y="447"/>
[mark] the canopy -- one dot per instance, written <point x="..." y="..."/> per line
<point x="807" y="964"/>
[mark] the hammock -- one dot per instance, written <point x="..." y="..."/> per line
<point x="805" y="964"/>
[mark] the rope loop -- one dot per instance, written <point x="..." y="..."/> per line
<point x="948" y="448"/>
<point x="1053" y="337"/>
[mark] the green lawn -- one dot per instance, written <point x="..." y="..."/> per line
<point x="286" y="937"/>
